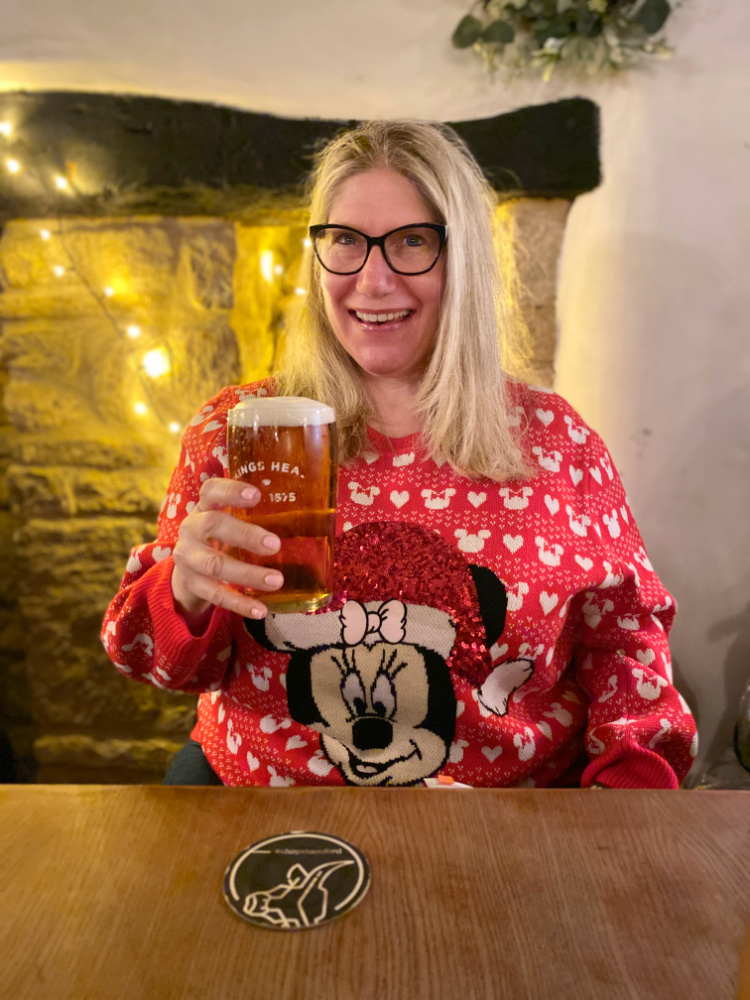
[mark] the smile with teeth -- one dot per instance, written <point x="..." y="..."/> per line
<point x="366" y="317"/>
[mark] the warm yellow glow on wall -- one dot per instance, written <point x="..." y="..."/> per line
<point x="6" y="129"/>
<point x="141" y="409"/>
<point x="174" y="427"/>
<point x="45" y="234"/>
<point x="59" y="270"/>
<point x="12" y="165"/>
<point x="156" y="362"/>
<point x="266" y="265"/>
<point x="133" y="331"/>
<point x="61" y="183"/>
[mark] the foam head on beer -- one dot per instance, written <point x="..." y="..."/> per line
<point x="286" y="447"/>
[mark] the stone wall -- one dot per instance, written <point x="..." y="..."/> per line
<point x="85" y="475"/>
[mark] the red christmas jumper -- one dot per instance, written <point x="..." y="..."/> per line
<point x="498" y="634"/>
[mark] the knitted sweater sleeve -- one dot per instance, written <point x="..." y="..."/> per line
<point x="641" y="733"/>
<point x="145" y="637"/>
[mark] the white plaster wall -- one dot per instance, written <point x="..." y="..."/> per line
<point x="654" y="346"/>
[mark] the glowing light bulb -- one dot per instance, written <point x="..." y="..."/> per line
<point x="59" y="270"/>
<point x="109" y="291"/>
<point x="134" y="331"/>
<point x="300" y="291"/>
<point x="141" y="409"/>
<point x="61" y="183"/>
<point x="45" y="234"/>
<point x="156" y="362"/>
<point x="278" y="269"/>
<point x="266" y="265"/>
<point x="6" y="129"/>
<point x="174" y="427"/>
<point x="307" y="243"/>
<point x="13" y="166"/>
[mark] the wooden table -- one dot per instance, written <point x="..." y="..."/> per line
<point x="116" y="892"/>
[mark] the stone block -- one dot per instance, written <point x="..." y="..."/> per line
<point x="35" y="406"/>
<point x="110" y="449"/>
<point x="9" y="524"/>
<point x="75" y="685"/>
<point x="131" y="256"/>
<point x="15" y="693"/>
<point x="258" y="315"/>
<point x="539" y="228"/>
<point x="211" y="248"/>
<point x="51" y="491"/>
<point x="106" y="756"/>
<point x="73" y="560"/>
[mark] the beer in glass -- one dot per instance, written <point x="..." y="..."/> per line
<point x="286" y="447"/>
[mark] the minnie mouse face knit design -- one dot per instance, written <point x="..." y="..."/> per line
<point x="372" y="673"/>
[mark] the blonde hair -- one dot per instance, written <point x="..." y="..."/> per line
<point x="462" y="398"/>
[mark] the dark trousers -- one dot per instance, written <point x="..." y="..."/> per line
<point x="190" y="767"/>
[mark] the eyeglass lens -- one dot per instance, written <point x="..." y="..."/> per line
<point x="409" y="250"/>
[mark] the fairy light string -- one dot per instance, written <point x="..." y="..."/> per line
<point x="19" y="158"/>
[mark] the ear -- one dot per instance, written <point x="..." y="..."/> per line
<point x="299" y="694"/>
<point x="493" y="602"/>
<point x="257" y="629"/>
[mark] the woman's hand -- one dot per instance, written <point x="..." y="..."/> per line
<point x="203" y="569"/>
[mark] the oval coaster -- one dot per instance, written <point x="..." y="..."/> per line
<point x="296" y="880"/>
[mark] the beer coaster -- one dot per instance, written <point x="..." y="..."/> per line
<point x="296" y="880"/>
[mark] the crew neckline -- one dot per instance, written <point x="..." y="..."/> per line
<point x="386" y="445"/>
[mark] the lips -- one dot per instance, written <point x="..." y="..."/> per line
<point x="380" y="320"/>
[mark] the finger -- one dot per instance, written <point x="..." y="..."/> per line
<point x="219" y="525"/>
<point x="221" y="595"/>
<point x="218" y="493"/>
<point x="224" y="567"/>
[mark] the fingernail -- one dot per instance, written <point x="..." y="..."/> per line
<point x="271" y="542"/>
<point x="249" y="493"/>
<point x="274" y="579"/>
<point x="257" y="613"/>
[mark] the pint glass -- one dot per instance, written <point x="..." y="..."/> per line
<point x="286" y="447"/>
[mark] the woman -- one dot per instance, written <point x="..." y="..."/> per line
<point x="496" y="620"/>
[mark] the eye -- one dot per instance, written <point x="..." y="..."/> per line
<point x="414" y="240"/>
<point x="383" y="696"/>
<point x="354" y="693"/>
<point x="343" y="239"/>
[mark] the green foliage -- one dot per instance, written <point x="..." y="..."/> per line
<point x="590" y="35"/>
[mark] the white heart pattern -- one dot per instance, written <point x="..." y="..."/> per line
<point x="295" y="742"/>
<point x="399" y="499"/>
<point x="477" y="499"/>
<point x="575" y="474"/>
<point x="583" y="562"/>
<point x="319" y="764"/>
<point x="492" y="753"/>
<point x="513" y="542"/>
<point x="546" y="416"/>
<point x="548" y="601"/>
<point x="553" y="505"/>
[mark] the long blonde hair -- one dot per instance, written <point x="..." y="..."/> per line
<point x="462" y="398"/>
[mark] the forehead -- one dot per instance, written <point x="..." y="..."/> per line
<point x="377" y="201"/>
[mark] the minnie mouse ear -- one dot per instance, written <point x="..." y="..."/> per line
<point x="493" y="602"/>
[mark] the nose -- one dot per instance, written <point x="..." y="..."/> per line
<point x="372" y="734"/>
<point x="376" y="278"/>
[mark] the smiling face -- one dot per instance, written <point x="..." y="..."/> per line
<point x="386" y="322"/>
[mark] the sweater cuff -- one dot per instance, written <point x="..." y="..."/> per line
<point x="644" y="769"/>
<point x="177" y="649"/>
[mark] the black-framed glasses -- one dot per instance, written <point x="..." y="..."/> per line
<point x="406" y="250"/>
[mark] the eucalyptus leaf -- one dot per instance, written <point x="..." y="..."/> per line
<point x="499" y="31"/>
<point x="653" y="14"/>
<point x="588" y="24"/>
<point x="467" y="32"/>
